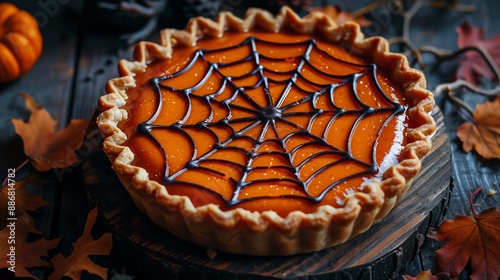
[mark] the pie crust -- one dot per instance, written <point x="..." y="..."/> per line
<point x="267" y="233"/>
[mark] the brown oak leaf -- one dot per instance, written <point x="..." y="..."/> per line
<point x="340" y="16"/>
<point x="474" y="66"/>
<point x="45" y="147"/>
<point x="78" y="261"/>
<point x="475" y="239"/>
<point x="14" y="247"/>
<point x="483" y="135"/>
<point x="17" y="193"/>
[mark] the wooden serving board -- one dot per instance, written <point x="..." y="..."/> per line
<point x="379" y="253"/>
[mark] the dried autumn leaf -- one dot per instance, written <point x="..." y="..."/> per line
<point x="27" y="254"/>
<point x="45" y="147"/>
<point x="23" y="199"/>
<point x="78" y="261"/>
<point x="424" y="275"/>
<point x="470" y="238"/>
<point x="340" y="16"/>
<point x="484" y="134"/>
<point x="474" y="66"/>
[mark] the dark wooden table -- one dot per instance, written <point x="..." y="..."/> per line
<point x="81" y="50"/>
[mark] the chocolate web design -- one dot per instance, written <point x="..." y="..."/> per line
<point x="267" y="112"/>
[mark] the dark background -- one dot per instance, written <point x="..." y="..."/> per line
<point x="83" y="43"/>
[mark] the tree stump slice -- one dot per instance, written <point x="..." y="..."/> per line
<point x="379" y="253"/>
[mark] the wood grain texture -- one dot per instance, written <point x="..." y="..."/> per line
<point x="378" y="253"/>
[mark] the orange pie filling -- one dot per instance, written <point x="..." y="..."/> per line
<point x="265" y="121"/>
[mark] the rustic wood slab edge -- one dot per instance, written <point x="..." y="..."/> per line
<point x="381" y="252"/>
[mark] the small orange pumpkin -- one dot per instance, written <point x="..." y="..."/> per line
<point x="20" y="42"/>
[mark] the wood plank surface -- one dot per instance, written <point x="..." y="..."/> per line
<point x="98" y="53"/>
<point x="49" y="82"/>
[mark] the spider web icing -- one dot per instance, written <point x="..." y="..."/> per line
<point x="267" y="117"/>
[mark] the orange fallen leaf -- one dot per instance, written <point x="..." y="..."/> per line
<point x="16" y="254"/>
<point x="45" y="147"/>
<point x="483" y="135"/>
<point x="78" y="261"/>
<point x="475" y="239"/>
<point x="340" y="16"/>
<point x="16" y="195"/>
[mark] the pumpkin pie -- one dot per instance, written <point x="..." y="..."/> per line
<point x="267" y="135"/>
